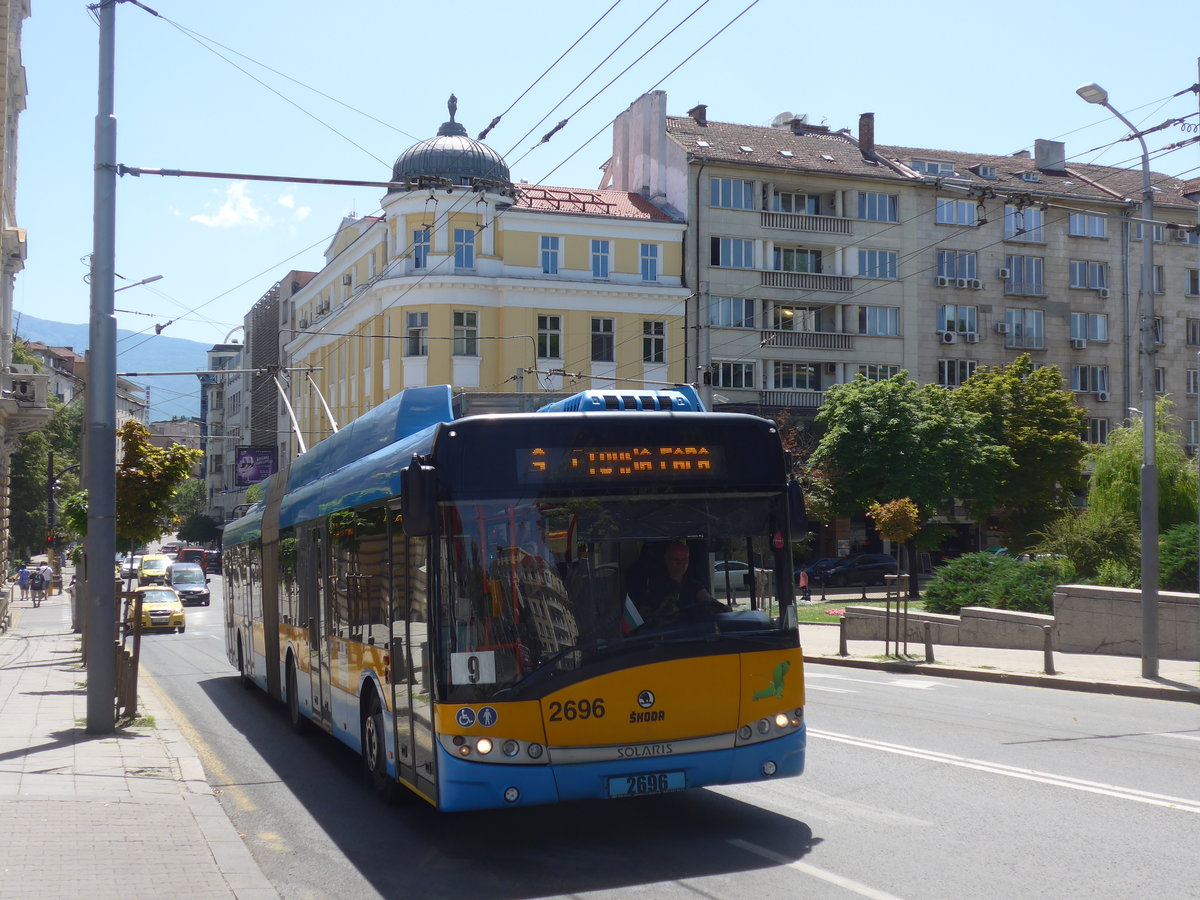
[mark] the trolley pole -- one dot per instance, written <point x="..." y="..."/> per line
<point x="101" y="437"/>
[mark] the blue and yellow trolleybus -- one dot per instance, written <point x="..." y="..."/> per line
<point x="468" y="602"/>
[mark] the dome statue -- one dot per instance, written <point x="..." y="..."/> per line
<point x="452" y="158"/>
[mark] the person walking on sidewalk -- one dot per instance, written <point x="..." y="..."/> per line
<point x="37" y="585"/>
<point x="47" y="578"/>
<point x="23" y="581"/>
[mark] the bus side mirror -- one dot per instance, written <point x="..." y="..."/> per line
<point x="797" y="515"/>
<point x="418" y="498"/>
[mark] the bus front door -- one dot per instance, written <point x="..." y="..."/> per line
<point x="319" y="644"/>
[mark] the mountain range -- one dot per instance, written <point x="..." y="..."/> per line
<point x="170" y="395"/>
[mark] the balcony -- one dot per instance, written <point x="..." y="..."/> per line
<point x="793" y="399"/>
<point x="23" y="400"/>
<point x="808" y="340"/>
<point x="804" y="222"/>
<point x="807" y="281"/>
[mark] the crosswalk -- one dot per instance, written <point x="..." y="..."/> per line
<point x="843" y="684"/>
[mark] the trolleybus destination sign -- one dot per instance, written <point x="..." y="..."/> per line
<point x="618" y="464"/>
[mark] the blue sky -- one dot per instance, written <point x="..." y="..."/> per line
<point x="991" y="79"/>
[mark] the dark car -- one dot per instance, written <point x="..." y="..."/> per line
<point x="191" y="555"/>
<point x="212" y="561"/>
<point x="189" y="582"/>
<point x="819" y="570"/>
<point x="865" y="568"/>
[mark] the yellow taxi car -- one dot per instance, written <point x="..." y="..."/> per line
<point x="161" y="609"/>
<point x="153" y="569"/>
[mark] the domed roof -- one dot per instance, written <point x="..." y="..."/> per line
<point x="452" y="157"/>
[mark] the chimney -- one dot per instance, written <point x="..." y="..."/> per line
<point x="1021" y="154"/>
<point x="699" y="114"/>
<point x="866" y="134"/>
<point x="1051" y="156"/>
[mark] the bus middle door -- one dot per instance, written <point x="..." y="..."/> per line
<point x="319" y="643"/>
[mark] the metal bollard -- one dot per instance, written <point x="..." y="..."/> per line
<point x="843" y="650"/>
<point x="928" y="642"/>
<point x="1048" y="649"/>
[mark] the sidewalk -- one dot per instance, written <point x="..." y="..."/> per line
<point x="126" y="815"/>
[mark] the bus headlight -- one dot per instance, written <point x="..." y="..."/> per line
<point x="781" y="720"/>
<point x="483" y="746"/>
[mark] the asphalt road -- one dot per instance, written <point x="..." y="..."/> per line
<point x="915" y="787"/>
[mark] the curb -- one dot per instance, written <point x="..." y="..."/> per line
<point x="1125" y="689"/>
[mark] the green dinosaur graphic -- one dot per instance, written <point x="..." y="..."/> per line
<point x="776" y="687"/>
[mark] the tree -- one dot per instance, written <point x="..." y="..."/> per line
<point x="189" y="500"/>
<point x="199" y="529"/>
<point x="892" y="439"/>
<point x="1027" y="411"/>
<point x="1116" y="472"/>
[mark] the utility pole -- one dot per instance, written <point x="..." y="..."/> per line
<point x="100" y="432"/>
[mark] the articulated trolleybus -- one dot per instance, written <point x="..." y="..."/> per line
<point x="470" y="603"/>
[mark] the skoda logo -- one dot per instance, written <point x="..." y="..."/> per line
<point x="646" y="699"/>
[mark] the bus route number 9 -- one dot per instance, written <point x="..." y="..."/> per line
<point x="570" y="710"/>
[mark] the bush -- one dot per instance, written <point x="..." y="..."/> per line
<point x="996" y="581"/>
<point x="1091" y="539"/>
<point x="1178" y="558"/>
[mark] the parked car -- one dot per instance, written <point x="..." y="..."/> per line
<point x="191" y="555"/>
<point x="865" y="568"/>
<point x="212" y="561"/>
<point x="153" y="569"/>
<point x="189" y="582"/>
<point x="130" y="566"/>
<point x="818" y="570"/>
<point x="161" y="609"/>
<point x="730" y="576"/>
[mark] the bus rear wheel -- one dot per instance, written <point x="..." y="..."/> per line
<point x="374" y="746"/>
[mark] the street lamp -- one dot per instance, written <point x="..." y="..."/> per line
<point x="1093" y="93"/>
<point x="138" y="283"/>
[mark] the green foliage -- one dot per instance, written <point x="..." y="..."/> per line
<point x="1114" y="573"/>
<point x="254" y="493"/>
<point x="199" y="529"/>
<point x="994" y="580"/>
<point x="1177" y="558"/>
<point x="188" y="500"/>
<point x="1116" y="474"/>
<point x="1029" y="412"/>
<point x="27" y="495"/>
<point x="1090" y="539"/>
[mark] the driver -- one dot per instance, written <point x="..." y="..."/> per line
<point x="668" y="595"/>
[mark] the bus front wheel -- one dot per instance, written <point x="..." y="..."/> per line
<point x="299" y="722"/>
<point x="375" y="751"/>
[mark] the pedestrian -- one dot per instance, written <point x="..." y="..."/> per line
<point x="802" y="583"/>
<point x="37" y="585"/>
<point x="23" y="581"/>
<point x="47" y="579"/>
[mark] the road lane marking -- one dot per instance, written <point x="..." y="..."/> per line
<point x="829" y="690"/>
<point x="1182" y="737"/>
<point x="863" y="890"/>
<point x="912" y="683"/>
<point x="1078" y="784"/>
<point x="208" y="757"/>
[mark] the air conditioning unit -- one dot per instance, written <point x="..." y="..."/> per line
<point x="1004" y="273"/>
<point x="961" y="282"/>
<point x="1078" y="343"/>
<point x="942" y="281"/>
<point x="831" y="368"/>
<point x="347" y="278"/>
<point x="1001" y="328"/>
<point x="1179" y="234"/>
<point x="948" y="337"/>
<point x="971" y="337"/>
<point x="1102" y="396"/>
<point x="304" y="323"/>
<point x="975" y="284"/>
<point x="1102" y="293"/>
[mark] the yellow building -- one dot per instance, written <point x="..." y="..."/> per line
<point x="471" y="280"/>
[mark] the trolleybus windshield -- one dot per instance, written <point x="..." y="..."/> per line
<point x="542" y="584"/>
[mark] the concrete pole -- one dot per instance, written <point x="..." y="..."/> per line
<point x="100" y="546"/>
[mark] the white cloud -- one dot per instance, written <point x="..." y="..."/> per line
<point x="288" y="201"/>
<point x="238" y="209"/>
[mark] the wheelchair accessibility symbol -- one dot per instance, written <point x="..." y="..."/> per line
<point x="465" y="717"/>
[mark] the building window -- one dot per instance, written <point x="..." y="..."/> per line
<point x="654" y="342"/>
<point x="1193" y="434"/>
<point x="1026" y="328"/>
<point x="603" y="343"/>
<point x="1089" y="326"/>
<point x="802" y="318"/>
<point x="1192" y="331"/>
<point x="731" y="193"/>
<point x="1158" y="279"/>
<point x="1087" y="225"/>
<point x="784" y="201"/>
<point x="731" y="312"/>
<point x="957" y="264"/>
<point x="550" y="247"/>
<point x="1088" y="274"/>
<point x="929" y="167"/>
<point x="955" y="212"/>
<point x="1158" y="329"/>
<point x="1157" y="233"/>
<point x="1089" y="379"/>
<point x="1193" y="381"/>
<point x="877" y="263"/>
<point x="420" y="248"/>
<point x="1096" y="431"/>
<point x="790" y="376"/>
<point x="797" y="259"/>
<point x="649" y="257"/>
<point x="466" y="333"/>
<point x="464" y="248"/>
<point x="954" y="373"/>
<point x="600" y="259"/>
<point x="417" y="334"/>
<point x="877" y="372"/>
<point x="1191" y="284"/>
<point x="1024" y="276"/>
<point x="880" y="320"/>
<point x="731" y="253"/>
<point x="1023" y="223"/>
<point x="1160" y="380"/>
<point x="875" y="207"/>
<point x="960" y="319"/>
<point x="549" y="337"/>
<point x="733" y="375"/>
